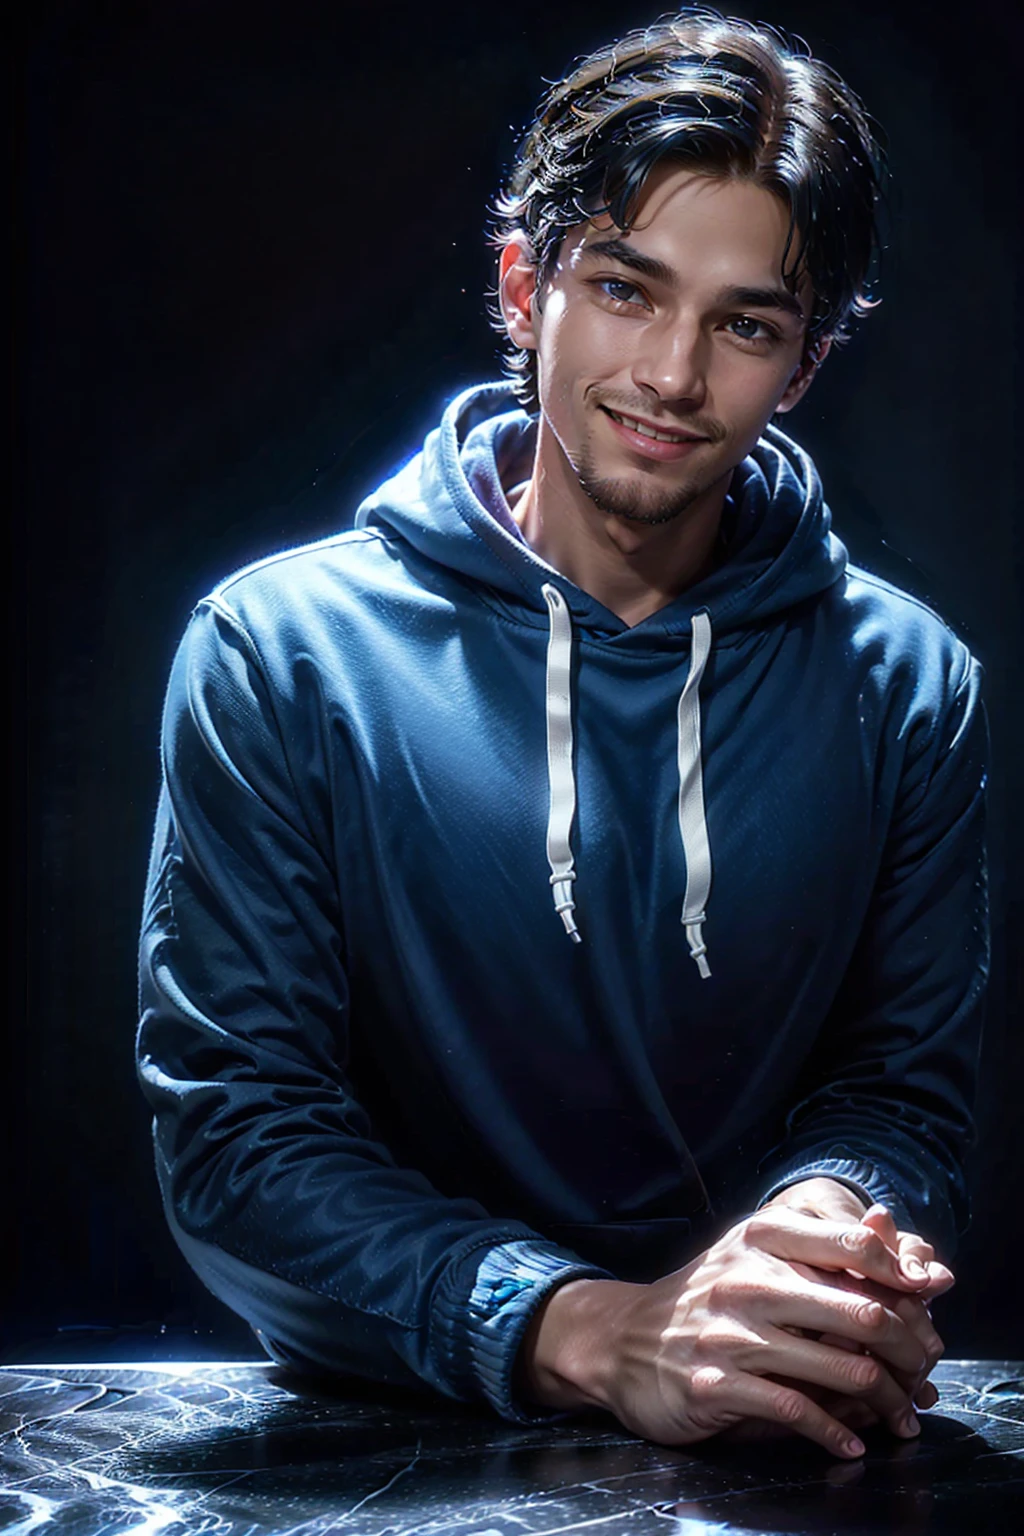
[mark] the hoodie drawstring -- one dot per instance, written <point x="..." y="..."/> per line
<point x="693" y="830"/>
<point x="561" y="784"/>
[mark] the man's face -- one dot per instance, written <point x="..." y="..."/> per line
<point x="682" y="327"/>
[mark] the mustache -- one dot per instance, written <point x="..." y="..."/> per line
<point x="700" y="426"/>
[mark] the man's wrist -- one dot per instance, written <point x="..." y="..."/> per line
<point x="564" y="1361"/>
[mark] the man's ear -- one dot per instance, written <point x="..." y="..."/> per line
<point x="815" y="354"/>
<point x="517" y="288"/>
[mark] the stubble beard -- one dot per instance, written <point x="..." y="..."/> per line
<point x="632" y="499"/>
<point x="639" y="499"/>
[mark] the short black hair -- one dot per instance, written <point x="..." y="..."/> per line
<point x="730" y="98"/>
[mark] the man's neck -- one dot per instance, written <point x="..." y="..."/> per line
<point x="633" y="569"/>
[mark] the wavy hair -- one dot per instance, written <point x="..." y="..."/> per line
<point x="729" y="98"/>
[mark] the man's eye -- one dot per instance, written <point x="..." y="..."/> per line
<point x="618" y="289"/>
<point x="749" y="329"/>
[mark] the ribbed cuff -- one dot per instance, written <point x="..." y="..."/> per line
<point x="864" y="1178"/>
<point x="482" y="1310"/>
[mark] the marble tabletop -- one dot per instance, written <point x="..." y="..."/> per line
<point x="236" y="1449"/>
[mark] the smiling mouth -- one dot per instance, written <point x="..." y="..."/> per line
<point x="646" y="430"/>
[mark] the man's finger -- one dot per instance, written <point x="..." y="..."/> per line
<point x="911" y="1310"/>
<point x="880" y="1219"/>
<point x="831" y="1245"/>
<point x="914" y="1254"/>
<point x="718" y="1400"/>
<point x="910" y="1242"/>
<point x="843" y="1310"/>
<point x="915" y="1249"/>
<point x="851" y="1411"/>
<point x="919" y="1391"/>
<point x="841" y="1370"/>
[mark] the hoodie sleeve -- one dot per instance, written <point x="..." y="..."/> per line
<point x="275" y="1187"/>
<point x="886" y="1105"/>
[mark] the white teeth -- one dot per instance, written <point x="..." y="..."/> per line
<point x="645" y="431"/>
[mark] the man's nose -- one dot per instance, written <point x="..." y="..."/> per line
<point x="673" y="361"/>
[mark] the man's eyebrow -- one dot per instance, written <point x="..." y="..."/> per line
<point x="762" y="298"/>
<point x="621" y="251"/>
<point x="732" y="298"/>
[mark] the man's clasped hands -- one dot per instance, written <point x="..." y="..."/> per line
<point x="810" y="1316"/>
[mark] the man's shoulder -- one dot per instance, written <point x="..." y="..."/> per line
<point x="340" y="558"/>
<point x="295" y="587"/>
<point x="320" y="601"/>
<point x="899" y="632"/>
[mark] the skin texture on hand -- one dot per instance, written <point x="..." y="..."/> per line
<point x="830" y="1200"/>
<point x="806" y="1316"/>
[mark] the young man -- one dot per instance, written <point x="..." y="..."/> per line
<point x="565" y="939"/>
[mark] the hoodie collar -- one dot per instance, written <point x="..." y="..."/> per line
<point x="449" y="503"/>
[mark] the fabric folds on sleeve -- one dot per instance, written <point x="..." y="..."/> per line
<point x="279" y="1194"/>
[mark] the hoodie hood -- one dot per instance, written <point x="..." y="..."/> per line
<point x="448" y="502"/>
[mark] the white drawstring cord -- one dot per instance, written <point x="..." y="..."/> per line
<point x="692" y="826"/>
<point x="693" y="830"/>
<point x="561" y="783"/>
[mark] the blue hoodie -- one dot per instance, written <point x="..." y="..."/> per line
<point x="490" y="942"/>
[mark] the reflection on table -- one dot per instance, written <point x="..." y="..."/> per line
<point x="238" y="1448"/>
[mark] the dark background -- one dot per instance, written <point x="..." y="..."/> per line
<point x="253" y="271"/>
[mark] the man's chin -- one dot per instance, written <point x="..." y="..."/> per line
<point x="636" y="504"/>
